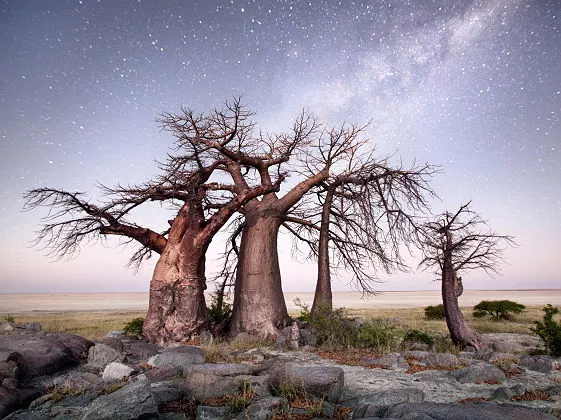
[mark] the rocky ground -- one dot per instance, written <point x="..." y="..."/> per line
<point x="66" y="376"/>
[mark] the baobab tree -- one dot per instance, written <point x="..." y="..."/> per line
<point x="177" y="310"/>
<point x="455" y="243"/>
<point x="368" y="213"/>
<point x="257" y="159"/>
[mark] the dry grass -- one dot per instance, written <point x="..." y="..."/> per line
<point x="94" y="325"/>
<point x="91" y="325"/>
<point x="414" y="318"/>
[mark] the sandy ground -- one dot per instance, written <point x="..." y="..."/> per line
<point x="93" y="302"/>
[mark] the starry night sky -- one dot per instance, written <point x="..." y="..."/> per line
<point x="472" y="86"/>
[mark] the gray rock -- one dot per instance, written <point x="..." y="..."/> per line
<point x="431" y="358"/>
<point x="41" y="400"/>
<point x="518" y="390"/>
<point x="28" y="415"/>
<point x="542" y="364"/>
<point x="43" y="354"/>
<point x="219" y="369"/>
<point x="133" y="401"/>
<point x="10" y="383"/>
<point x="32" y="326"/>
<point x="322" y="382"/>
<point x="462" y="411"/>
<point x="205" y="412"/>
<point x="178" y="357"/>
<point x="6" y="327"/>
<point x="115" y="334"/>
<point x="502" y="394"/>
<point x="139" y="351"/>
<point x="258" y="384"/>
<point x="478" y="372"/>
<point x="161" y="373"/>
<point x="263" y="409"/>
<point x="113" y="342"/>
<point x="77" y="381"/>
<point x="389" y="361"/>
<point x="512" y="343"/>
<point x="116" y="371"/>
<point x="441" y="359"/>
<point x="11" y="400"/>
<point x="202" y="386"/>
<point x="166" y="391"/>
<point x="101" y="355"/>
<point x="370" y="405"/>
<point x="79" y="401"/>
<point x="8" y="369"/>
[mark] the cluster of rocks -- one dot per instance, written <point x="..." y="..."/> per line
<point x="67" y="376"/>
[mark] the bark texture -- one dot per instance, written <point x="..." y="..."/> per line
<point x="259" y="307"/>
<point x="460" y="332"/>
<point x="177" y="310"/>
<point x="323" y="296"/>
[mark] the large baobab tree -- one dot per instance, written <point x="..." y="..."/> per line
<point x="309" y="152"/>
<point x="177" y="309"/>
<point x="455" y="243"/>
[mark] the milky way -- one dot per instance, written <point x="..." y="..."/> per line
<point x="472" y="86"/>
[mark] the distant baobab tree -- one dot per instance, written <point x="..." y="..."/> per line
<point x="455" y="243"/>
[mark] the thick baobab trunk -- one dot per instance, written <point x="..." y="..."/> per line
<point x="323" y="297"/>
<point x="177" y="310"/>
<point x="460" y="333"/>
<point x="259" y="306"/>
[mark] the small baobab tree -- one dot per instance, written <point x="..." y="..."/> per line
<point x="455" y="243"/>
<point x="368" y="214"/>
<point x="360" y="219"/>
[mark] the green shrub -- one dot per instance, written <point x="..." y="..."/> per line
<point x="435" y="312"/>
<point x="242" y="400"/>
<point x="417" y="336"/>
<point x="336" y="329"/>
<point x="549" y="331"/>
<point x="304" y="310"/>
<point x="9" y="318"/>
<point x="134" y="327"/>
<point x="219" y="310"/>
<point x="378" y="333"/>
<point x="498" y="309"/>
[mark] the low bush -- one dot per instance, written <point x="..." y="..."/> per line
<point x="218" y="310"/>
<point x="337" y="329"/>
<point x="241" y="401"/>
<point x="549" y="331"/>
<point x="497" y="309"/>
<point x="417" y="336"/>
<point x="435" y="312"/>
<point x="134" y="327"/>
<point x="9" y="318"/>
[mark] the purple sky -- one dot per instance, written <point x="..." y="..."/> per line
<point x="472" y="86"/>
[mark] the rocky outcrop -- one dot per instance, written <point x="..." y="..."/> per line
<point x="29" y="355"/>
<point x="455" y="411"/>
<point x="322" y="382"/>
<point x="541" y="364"/>
<point x="130" y="402"/>
<point x="43" y="354"/>
<point x="389" y="361"/>
<point x="479" y="372"/>
<point x="127" y="378"/>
